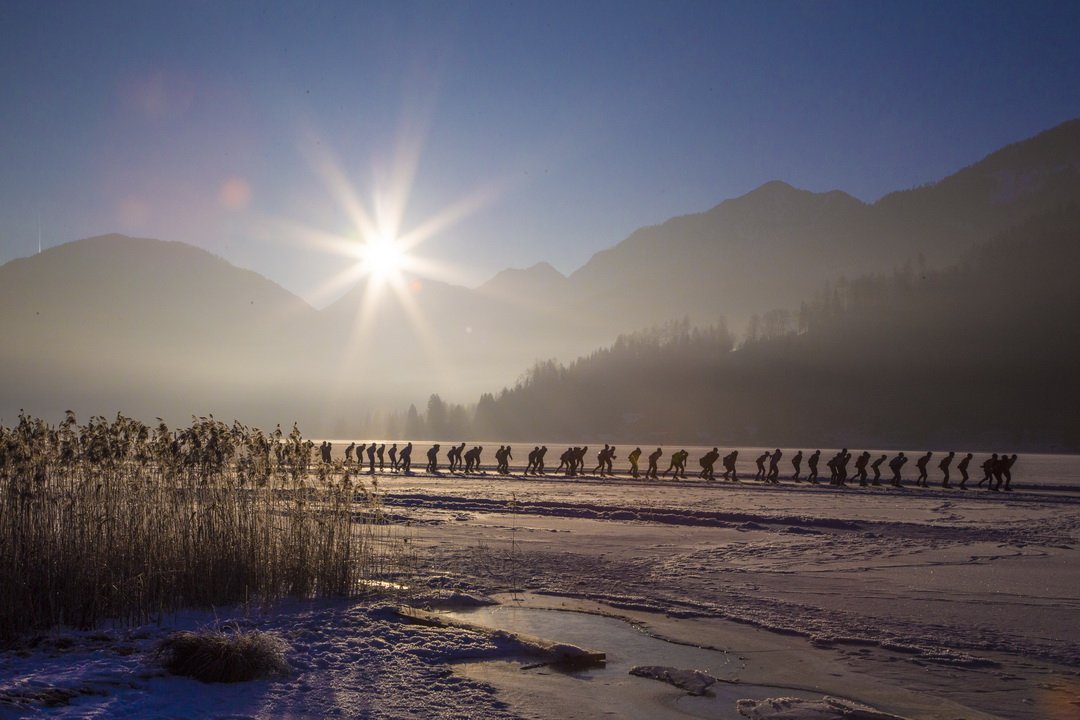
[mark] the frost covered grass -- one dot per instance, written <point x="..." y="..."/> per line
<point x="115" y="519"/>
<point x="223" y="655"/>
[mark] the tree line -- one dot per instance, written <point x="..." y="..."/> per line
<point x="979" y="353"/>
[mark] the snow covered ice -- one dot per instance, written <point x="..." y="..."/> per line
<point x="912" y="603"/>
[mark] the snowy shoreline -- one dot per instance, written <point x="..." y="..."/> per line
<point x="925" y="605"/>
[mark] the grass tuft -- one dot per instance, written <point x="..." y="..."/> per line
<point x="223" y="656"/>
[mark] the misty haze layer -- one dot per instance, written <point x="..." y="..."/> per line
<point x="163" y="329"/>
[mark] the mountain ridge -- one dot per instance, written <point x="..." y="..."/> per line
<point x="135" y="317"/>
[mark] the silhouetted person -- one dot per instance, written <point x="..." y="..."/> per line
<point x="371" y="458"/>
<point x="539" y="467"/>
<point x="796" y="464"/>
<point x="532" y="460"/>
<point x="601" y="461"/>
<point x="433" y="459"/>
<point x="379" y="452"/>
<point x="325" y="452"/>
<point x="988" y="471"/>
<point x="860" y="467"/>
<point x="633" y="458"/>
<point x="876" y="467"/>
<point x="393" y="457"/>
<point x="729" y="466"/>
<point x="577" y="460"/>
<point x="609" y="464"/>
<point x="360" y="456"/>
<point x="773" y="475"/>
<point x="944" y="467"/>
<point x="841" y="466"/>
<point x="962" y="467"/>
<point x="1006" y="470"/>
<point x="406" y="458"/>
<point x="896" y="465"/>
<point x="654" y="457"/>
<point x="679" y="460"/>
<point x="472" y="459"/>
<point x="921" y="465"/>
<point x="564" y="460"/>
<point x="349" y="452"/>
<point x="997" y="470"/>
<point x="707" y="462"/>
<point x="760" y="462"/>
<point x="673" y="465"/>
<point x="811" y="463"/>
<point x="453" y="457"/>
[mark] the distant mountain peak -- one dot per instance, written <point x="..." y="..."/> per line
<point x="538" y="274"/>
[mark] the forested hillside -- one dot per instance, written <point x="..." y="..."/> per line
<point x="977" y="354"/>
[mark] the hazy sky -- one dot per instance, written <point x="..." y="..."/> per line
<point x="548" y="130"/>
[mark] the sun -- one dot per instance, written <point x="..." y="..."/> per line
<point x="384" y="257"/>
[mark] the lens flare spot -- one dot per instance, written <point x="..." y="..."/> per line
<point x="235" y="193"/>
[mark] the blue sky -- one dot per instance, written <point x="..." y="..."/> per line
<point x="550" y="130"/>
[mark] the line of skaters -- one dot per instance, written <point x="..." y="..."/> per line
<point x="997" y="469"/>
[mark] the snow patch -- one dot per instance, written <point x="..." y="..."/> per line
<point x="827" y="708"/>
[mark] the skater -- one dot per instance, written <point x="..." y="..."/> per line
<point x="680" y="459"/>
<point x="674" y="465"/>
<point x="654" y="457"/>
<point x="811" y="462"/>
<point x="539" y="467"/>
<point x="371" y="458"/>
<point x="1006" y="470"/>
<point x="841" y="466"/>
<point x="564" y="461"/>
<point x="433" y="459"/>
<point x="896" y="464"/>
<point x="860" y="467"/>
<point x="532" y="460"/>
<point x="393" y="458"/>
<point x="988" y="471"/>
<point x="997" y="470"/>
<point x="601" y="461"/>
<point x="349" y="452"/>
<point x="876" y="467"/>
<point x="379" y="452"/>
<point x="707" y="462"/>
<point x="729" y="466"/>
<point x="962" y="468"/>
<point x="944" y="467"/>
<point x="774" y="468"/>
<point x="579" y="459"/>
<point x="633" y="458"/>
<point x="760" y="462"/>
<point x="921" y="465"/>
<point x="796" y="464"/>
<point x="405" y="458"/>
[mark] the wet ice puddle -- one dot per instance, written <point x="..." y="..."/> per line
<point x="609" y="689"/>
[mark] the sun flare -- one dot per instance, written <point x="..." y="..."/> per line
<point x="384" y="257"/>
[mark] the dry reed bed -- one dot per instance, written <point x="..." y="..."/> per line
<point x="118" y="520"/>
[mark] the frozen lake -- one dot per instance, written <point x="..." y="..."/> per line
<point x="1032" y="471"/>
